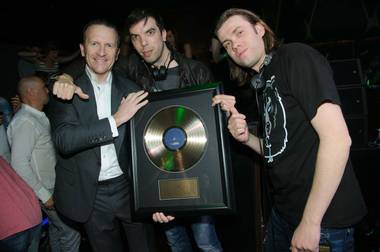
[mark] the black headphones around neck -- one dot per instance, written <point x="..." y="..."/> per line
<point x="257" y="80"/>
<point x="159" y="73"/>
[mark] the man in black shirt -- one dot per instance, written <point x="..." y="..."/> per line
<point x="306" y="143"/>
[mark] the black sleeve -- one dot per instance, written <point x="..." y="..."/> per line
<point x="310" y="78"/>
<point x="70" y="134"/>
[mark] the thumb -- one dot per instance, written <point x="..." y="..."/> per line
<point x="233" y="111"/>
<point x="80" y="93"/>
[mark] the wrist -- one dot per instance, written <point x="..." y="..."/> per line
<point x="311" y="220"/>
<point x="246" y="142"/>
<point x="66" y="77"/>
<point x="117" y="120"/>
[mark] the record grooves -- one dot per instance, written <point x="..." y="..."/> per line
<point x="175" y="139"/>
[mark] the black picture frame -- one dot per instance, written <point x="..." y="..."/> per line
<point x="205" y="187"/>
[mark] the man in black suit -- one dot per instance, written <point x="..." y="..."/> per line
<point x="90" y="133"/>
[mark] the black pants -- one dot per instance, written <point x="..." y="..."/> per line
<point x="111" y="212"/>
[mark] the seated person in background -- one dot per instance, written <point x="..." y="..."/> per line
<point x="25" y="65"/>
<point x="48" y="61"/>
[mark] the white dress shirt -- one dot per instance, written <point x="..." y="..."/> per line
<point x="32" y="150"/>
<point x="110" y="167"/>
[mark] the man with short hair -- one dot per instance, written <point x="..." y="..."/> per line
<point x="33" y="158"/>
<point x="91" y="136"/>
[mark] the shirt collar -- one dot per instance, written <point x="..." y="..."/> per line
<point x="32" y="110"/>
<point x="94" y="80"/>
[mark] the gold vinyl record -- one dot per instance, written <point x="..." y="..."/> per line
<point x="175" y="139"/>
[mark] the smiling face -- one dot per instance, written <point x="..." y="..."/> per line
<point x="149" y="41"/>
<point x="243" y="41"/>
<point x="100" y="49"/>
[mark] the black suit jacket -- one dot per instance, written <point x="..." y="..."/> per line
<point x="78" y="135"/>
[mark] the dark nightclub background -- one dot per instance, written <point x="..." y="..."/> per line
<point x="294" y="20"/>
<point x="347" y="32"/>
<point x="323" y="23"/>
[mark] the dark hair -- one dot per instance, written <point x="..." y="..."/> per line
<point x="270" y="40"/>
<point x="143" y="14"/>
<point x="101" y="22"/>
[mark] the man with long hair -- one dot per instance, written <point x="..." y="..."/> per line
<point x="305" y="143"/>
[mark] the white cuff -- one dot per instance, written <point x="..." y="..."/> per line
<point x="115" y="132"/>
<point x="44" y="195"/>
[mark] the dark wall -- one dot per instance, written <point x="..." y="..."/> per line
<point x="8" y="71"/>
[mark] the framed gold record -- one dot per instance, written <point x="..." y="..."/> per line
<point x="180" y="154"/>
<point x="175" y="138"/>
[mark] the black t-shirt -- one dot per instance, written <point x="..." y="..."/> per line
<point x="298" y="81"/>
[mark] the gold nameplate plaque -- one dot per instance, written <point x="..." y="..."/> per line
<point x="178" y="189"/>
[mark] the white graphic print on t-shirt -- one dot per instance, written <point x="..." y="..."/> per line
<point x="276" y="134"/>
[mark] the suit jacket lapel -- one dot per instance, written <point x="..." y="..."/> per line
<point x="116" y="96"/>
<point x="86" y="86"/>
<point x="89" y="108"/>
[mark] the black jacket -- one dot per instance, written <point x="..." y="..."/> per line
<point x="191" y="72"/>
<point x="78" y="135"/>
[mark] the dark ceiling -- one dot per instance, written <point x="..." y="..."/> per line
<point x="31" y="21"/>
<point x="312" y="20"/>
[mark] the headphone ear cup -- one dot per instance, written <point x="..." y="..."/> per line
<point x="155" y="73"/>
<point x="163" y="70"/>
<point x="159" y="73"/>
<point x="257" y="81"/>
